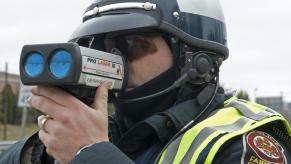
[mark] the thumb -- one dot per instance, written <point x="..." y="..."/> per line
<point x="101" y="96"/>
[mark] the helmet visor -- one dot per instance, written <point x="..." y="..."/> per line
<point x="115" y="22"/>
<point x="132" y="46"/>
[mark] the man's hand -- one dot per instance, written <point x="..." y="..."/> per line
<point x="73" y="123"/>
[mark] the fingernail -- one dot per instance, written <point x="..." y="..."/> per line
<point x="29" y="99"/>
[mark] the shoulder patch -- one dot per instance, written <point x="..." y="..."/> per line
<point x="262" y="148"/>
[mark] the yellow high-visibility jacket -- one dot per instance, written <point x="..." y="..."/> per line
<point x="237" y="118"/>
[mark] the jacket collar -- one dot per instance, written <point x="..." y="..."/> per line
<point x="161" y="127"/>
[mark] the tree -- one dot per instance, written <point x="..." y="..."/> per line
<point x="243" y="95"/>
<point x="13" y="112"/>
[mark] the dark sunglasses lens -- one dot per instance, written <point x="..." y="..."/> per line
<point x="132" y="46"/>
<point x="135" y="46"/>
<point x="123" y="44"/>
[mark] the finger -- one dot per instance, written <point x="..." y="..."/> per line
<point x="46" y="139"/>
<point x="101" y="96"/>
<point x="56" y="94"/>
<point x="45" y="123"/>
<point x="47" y="106"/>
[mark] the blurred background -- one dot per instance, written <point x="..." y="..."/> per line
<point x="258" y="67"/>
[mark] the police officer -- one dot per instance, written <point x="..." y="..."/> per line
<point x="172" y="111"/>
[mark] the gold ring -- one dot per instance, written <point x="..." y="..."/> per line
<point x="43" y="121"/>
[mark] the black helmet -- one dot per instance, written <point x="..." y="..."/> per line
<point x="198" y="23"/>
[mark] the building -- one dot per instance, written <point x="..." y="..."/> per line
<point x="13" y="80"/>
<point x="289" y="107"/>
<point x="275" y="103"/>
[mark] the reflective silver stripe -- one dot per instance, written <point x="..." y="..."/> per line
<point x="267" y="109"/>
<point x="249" y="113"/>
<point x="270" y="110"/>
<point x="197" y="142"/>
<point x="239" y="124"/>
<point x="244" y="149"/>
<point x="118" y="6"/>
<point x="172" y="151"/>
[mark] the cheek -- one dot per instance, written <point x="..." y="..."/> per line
<point x="147" y="68"/>
<point x="137" y="71"/>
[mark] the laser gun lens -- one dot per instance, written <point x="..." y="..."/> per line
<point x="60" y="64"/>
<point x="34" y="64"/>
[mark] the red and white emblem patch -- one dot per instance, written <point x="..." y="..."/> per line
<point x="261" y="148"/>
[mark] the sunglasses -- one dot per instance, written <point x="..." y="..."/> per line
<point x="135" y="46"/>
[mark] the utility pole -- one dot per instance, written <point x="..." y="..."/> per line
<point x="282" y="100"/>
<point x="255" y="94"/>
<point x="23" y="122"/>
<point x="5" y="103"/>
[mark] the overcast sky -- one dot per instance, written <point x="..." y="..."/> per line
<point x="259" y="38"/>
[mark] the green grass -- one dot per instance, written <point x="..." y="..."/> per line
<point x="14" y="131"/>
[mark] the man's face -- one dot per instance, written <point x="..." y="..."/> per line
<point x="149" y="57"/>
